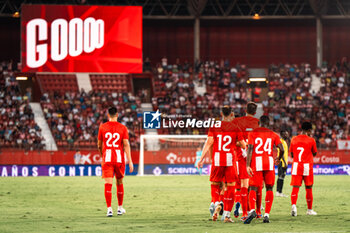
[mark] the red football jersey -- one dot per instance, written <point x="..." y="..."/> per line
<point x="302" y="147"/>
<point x="263" y="140"/>
<point x="246" y="124"/>
<point x="225" y="139"/>
<point x="112" y="134"/>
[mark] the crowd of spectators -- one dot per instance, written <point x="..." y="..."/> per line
<point x="74" y="118"/>
<point x="17" y="126"/>
<point x="175" y="94"/>
<point x="291" y="100"/>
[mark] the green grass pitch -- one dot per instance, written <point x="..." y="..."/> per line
<point x="156" y="204"/>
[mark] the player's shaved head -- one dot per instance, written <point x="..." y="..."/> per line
<point x="251" y="108"/>
<point x="226" y="110"/>
<point x="112" y="111"/>
<point x="264" y="121"/>
<point x="306" y="126"/>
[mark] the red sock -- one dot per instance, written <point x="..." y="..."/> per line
<point x="108" y="194"/>
<point x="244" y="200"/>
<point x="222" y="196"/>
<point x="238" y="195"/>
<point x="294" y="196"/>
<point x="258" y="200"/>
<point x="309" y="198"/>
<point x="215" y="192"/>
<point x="268" y="201"/>
<point x="120" y="194"/>
<point x="252" y="199"/>
<point x="229" y="198"/>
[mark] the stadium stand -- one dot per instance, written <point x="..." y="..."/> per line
<point x="110" y="83"/>
<point x="74" y="118"/>
<point x="175" y="93"/>
<point x="290" y="100"/>
<point x="57" y="82"/>
<point x="17" y="126"/>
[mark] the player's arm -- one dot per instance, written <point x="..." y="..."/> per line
<point x="99" y="141"/>
<point x="242" y="144"/>
<point x="249" y="159"/>
<point x="126" y="147"/>
<point x="206" y="149"/>
<point x="99" y="146"/>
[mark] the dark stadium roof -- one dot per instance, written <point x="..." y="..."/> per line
<point x="220" y="9"/>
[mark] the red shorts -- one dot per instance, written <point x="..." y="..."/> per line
<point x="297" y="180"/>
<point x="242" y="169"/>
<point x="109" y="170"/>
<point x="223" y="174"/>
<point x="259" y="177"/>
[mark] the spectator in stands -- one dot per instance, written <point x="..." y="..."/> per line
<point x="17" y="126"/>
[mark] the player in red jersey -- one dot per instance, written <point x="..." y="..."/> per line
<point x="260" y="165"/>
<point x="113" y="143"/>
<point x="303" y="149"/>
<point x="223" y="141"/>
<point x="247" y="124"/>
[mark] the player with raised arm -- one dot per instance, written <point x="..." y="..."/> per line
<point x="113" y="143"/>
<point x="303" y="149"/>
<point x="260" y="165"/>
<point x="223" y="140"/>
<point x="247" y="124"/>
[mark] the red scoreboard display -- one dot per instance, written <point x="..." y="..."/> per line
<point x="67" y="38"/>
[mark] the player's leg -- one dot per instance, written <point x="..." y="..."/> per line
<point x="216" y="176"/>
<point x="237" y="198"/>
<point x="254" y="183"/>
<point x="296" y="183"/>
<point x="107" y="175"/>
<point x="259" y="201"/>
<point x="229" y="200"/>
<point x="243" y="175"/>
<point x="244" y="196"/>
<point x="119" y="173"/>
<point x="222" y="196"/>
<point x="309" y="180"/>
<point x="269" y="178"/>
<point x="280" y="179"/>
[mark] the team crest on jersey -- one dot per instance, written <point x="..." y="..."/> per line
<point x="151" y="120"/>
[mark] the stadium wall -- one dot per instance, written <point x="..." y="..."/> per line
<point x="256" y="43"/>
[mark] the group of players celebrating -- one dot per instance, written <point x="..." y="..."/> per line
<point x="242" y="164"/>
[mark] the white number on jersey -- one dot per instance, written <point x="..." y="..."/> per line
<point x="300" y="153"/>
<point x="109" y="137"/>
<point x="267" y="147"/>
<point x="226" y="139"/>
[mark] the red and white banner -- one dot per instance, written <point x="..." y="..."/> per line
<point x="67" y="38"/>
<point x="55" y="158"/>
<point x="343" y="144"/>
<point x="189" y="157"/>
<point x="151" y="157"/>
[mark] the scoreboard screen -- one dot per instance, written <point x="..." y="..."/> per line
<point x="67" y="38"/>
